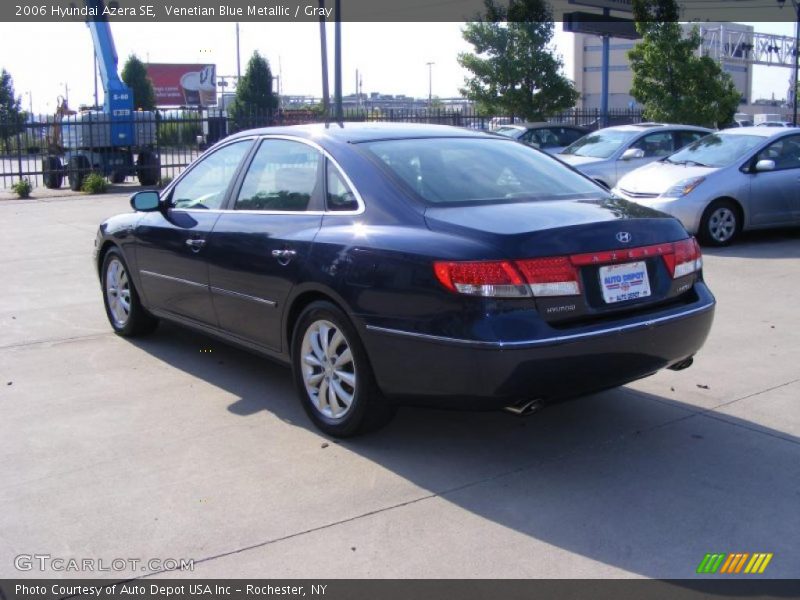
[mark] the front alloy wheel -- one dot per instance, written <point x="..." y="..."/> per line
<point x="118" y="293"/>
<point x="125" y="312"/>
<point x="720" y="224"/>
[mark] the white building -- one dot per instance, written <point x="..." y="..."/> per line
<point x="587" y="69"/>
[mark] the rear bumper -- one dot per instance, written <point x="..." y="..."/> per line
<point x="480" y="374"/>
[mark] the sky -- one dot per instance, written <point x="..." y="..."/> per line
<point x="391" y="57"/>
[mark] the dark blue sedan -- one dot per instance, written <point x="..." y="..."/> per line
<point x="391" y="264"/>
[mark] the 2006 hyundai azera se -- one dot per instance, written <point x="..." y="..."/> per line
<point x="417" y="263"/>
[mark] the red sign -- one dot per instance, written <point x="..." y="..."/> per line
<point x="184" y="84"/>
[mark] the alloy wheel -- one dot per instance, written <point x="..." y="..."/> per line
<point x="118" y="292"/>
<point x="328" y="369"/>
<point x="722" y="224"/>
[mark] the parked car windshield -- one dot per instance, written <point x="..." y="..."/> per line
<point x="601" y="144"/>
<point x="716" y="150"/>
<point x="479" y="170"/>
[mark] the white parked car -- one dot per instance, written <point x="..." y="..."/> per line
<point x="608" y="154"/>
<point x="727" y="182"/>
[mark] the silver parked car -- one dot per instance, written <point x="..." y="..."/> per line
<point x="608" y="154"/>
<point x="736" y="179"/>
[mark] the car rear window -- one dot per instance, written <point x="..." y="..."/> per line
<point x="479" y="170"/>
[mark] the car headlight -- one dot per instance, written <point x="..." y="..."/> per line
<point x="682" y="188"/>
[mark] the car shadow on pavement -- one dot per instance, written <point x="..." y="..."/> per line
<point x="635" y="481"/>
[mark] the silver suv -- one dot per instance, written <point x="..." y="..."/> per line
<point x="608" y="154"/>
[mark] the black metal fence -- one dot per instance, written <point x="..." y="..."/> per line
<point x="47" y="152"/>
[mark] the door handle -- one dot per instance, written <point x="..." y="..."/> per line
<point x="195" y="244"/>
<point x="284" y="256"/>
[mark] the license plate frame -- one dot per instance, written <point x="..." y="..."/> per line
<point x="624" y="281"/>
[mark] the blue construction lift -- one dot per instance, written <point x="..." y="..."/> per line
<point x="107" y="140"/>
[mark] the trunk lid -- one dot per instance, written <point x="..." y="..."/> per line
<point x="616" y="246"/>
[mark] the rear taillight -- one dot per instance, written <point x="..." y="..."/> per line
<point x="684" y="259"/>
<point x="482" y="278"/>
<point x="558" y="275"/>
<point x="550" y="276"/>
<point x="510" y="279"/>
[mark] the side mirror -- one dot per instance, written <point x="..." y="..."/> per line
<point x="145" y="201"/>
<point x="632" y="153"/>
<point x="765" y="165"/>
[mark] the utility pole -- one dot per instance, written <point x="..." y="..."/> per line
<point x="604" y="80"/>
<point x="430" y="83"/>
<point x="238" y="55"/>
<point x="323" y="42"/>
<point x="337" y="64"/>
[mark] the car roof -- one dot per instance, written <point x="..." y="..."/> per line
<point x="362" y="132"/>
<point x="647" y="126"/>
<point x="544" y="124"/>
<point x="764" y="132"/>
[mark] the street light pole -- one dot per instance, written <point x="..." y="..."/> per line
<point x="430" y="83"/>
<point x="796" y="7"/>
<point x="796" y="58"/>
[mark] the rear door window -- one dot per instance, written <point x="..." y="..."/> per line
<point x="339" y="195"/>
<point x="283" y="176"/>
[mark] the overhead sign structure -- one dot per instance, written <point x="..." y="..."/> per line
<point x="620" y="5"/>
<point x="184" y="84"/>
<point x="593" y="24"/>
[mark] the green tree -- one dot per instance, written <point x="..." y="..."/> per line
<point x="513" y="66"/>
<point x="254" y="98"/>
<point x="12" y="119"/>
<point x="674" y="84"/>
<point x="134" y="74"/>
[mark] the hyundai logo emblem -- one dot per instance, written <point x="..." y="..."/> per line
<point x="623" y="237"/>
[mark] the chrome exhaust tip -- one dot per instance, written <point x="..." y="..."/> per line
<point x="525" y="408"/>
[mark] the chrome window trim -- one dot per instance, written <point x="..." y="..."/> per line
<point x="231" y="293"/>
<point x="171" y="278"/>
<point x="542" y="342"/>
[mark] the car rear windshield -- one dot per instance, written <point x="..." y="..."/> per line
<point x="716" y="150"/>
<point x="511" y="132"/>
<point x="479" y="170"/>
<point x="599" y="145"/>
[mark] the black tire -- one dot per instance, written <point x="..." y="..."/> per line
<point x="116" y="177"/>
<point x="53" y="172"/>
<point x="368" y="409"/>
<point x="77" y="171"/>
<point x="148" y="168"/>
<point x="137" y="321"/>
<point x="721" y="223"/>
